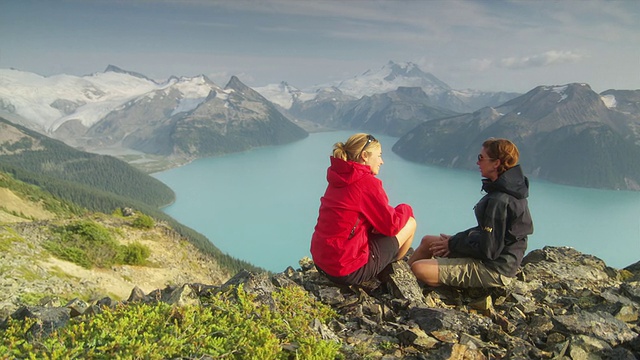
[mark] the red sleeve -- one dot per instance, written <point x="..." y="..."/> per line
<point x="384" y="218"/>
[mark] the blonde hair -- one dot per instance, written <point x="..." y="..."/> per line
<point x="504" y="150"/>
<point x="354" y="147"/>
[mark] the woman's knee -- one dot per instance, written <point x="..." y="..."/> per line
<point x="426" y="271"/>
<point x="407" y="232"/>
<point x="411" y="225"/>
<point x="427" y="240"/>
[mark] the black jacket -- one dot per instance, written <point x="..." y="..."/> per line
<point x="504" y="221"/>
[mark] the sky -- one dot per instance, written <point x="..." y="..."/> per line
<point x="482" y="45"/>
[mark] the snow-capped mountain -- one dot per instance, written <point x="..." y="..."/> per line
<point x="141" y="116"/>
<point x="387" y="79"/>
<point x="190" y="116"/>
<point x="283" y="94"/>
<point x="193" y="117"/>
<point x="47" y="102"/>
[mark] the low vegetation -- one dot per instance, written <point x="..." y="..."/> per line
<point x="230" y="325"/>
<point x="143" y="221"/>
<point x="90" y="244"/>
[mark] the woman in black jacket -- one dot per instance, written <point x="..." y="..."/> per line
<point x="489" y="254"/>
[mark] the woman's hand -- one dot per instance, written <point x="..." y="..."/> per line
<point x="441" y="248"/>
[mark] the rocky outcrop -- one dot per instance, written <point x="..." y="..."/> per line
<point x="563" y="305"/>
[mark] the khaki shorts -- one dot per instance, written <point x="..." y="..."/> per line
<point x="469" y="273"/>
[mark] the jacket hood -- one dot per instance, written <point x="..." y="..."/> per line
<point x="342" y="173"/>
<point x="512" y="182"/>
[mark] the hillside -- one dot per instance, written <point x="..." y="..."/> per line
<point x="562" y="305"/>
<point x="30" y="218"/>
<point x="47" y="160"/>
<point x="566" y="134"/>
<point x="97" y="183"/>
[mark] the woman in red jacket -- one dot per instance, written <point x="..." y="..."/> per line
<point x="358" y="233"/>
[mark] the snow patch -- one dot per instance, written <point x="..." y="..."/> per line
<point x="281" y="94"/>
<point x="558" y="89"/>
<point x="188" y="104"/>
<point x="32" y="95"/>
<point x="194" y="92"/>
<point x="609" y="101"/>
<point x="97" y="94"/>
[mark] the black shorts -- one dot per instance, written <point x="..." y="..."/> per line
<point x="383" y="250"/>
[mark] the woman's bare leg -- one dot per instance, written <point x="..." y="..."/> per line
<point x="423" y="251"/>
<point x="427" y="271"/>
<point x="405" y="237"/>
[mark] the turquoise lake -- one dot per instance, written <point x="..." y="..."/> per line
<point x="261" y="205"/>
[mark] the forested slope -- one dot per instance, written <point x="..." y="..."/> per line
<point x="95" y="182"/>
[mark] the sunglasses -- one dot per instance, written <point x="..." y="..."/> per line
<point x="480" y="158"/>
<point x="370" y="139"/>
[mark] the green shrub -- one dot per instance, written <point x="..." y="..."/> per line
<point x="69" y="253"/>
<point x="143" y="221"/>
<point x="134" y="254"/>
<point x="87" y="231"/>
<point x="117" y="212"/>
<point x="90" y="244"/>
<point x="230" y="325"/>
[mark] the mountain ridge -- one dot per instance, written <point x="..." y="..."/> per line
<point x="566" y="134"/>
<point x="191" y="117"/>
<point x="389" y="78"/>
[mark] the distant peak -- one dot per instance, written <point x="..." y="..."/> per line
<point x="115" y="69"/>
<point x="235" y="83"/>
<point x="563" y="89"/>
<point x="238" y="86"/>
<point x="408" y="69"/>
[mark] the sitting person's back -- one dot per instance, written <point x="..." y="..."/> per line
<point x="358" y="233"/>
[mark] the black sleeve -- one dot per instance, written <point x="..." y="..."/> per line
<point x="486" y="241"/>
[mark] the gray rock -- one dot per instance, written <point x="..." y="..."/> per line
<point x="77" y="307"/>
<point x="632" y="290"/>
<point x="183" y="296"/>
<point x="600" y="325"/>
<point x="414" y="336"/>
<point x="402" y="283"/>
<point x="583" y="347"/>
<point x="50" y="319"/>
<point x="136" y="295"/>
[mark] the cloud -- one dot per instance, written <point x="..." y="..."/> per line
<point x="548" y="58"/>
<point x="480" y="64"/>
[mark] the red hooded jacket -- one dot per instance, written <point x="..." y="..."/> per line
<point x="353" y="205"/>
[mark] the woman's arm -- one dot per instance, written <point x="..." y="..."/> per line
<point x="486" y="241"/>
<point x="384" y="218"/>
